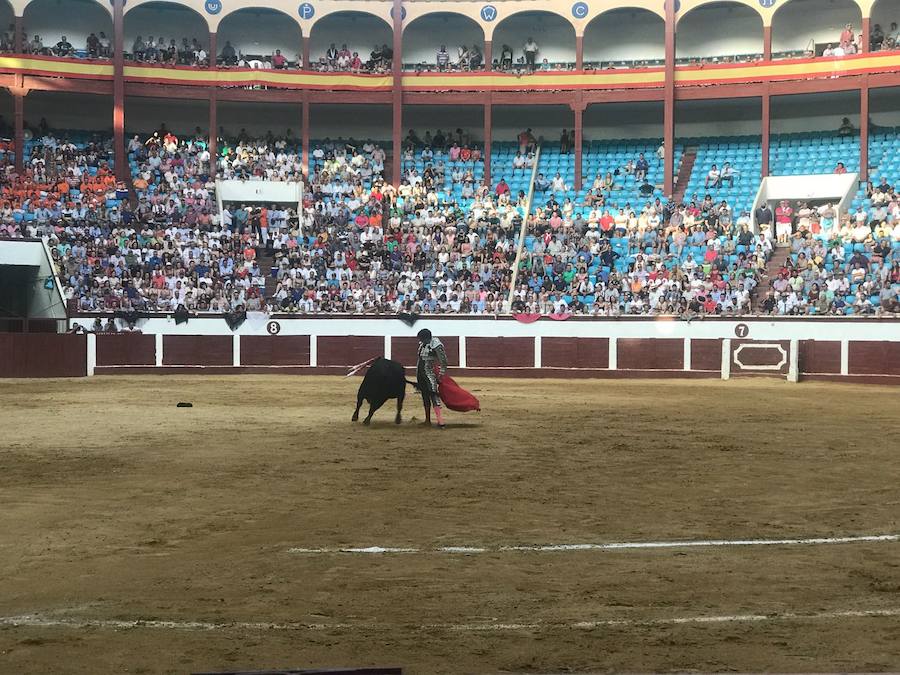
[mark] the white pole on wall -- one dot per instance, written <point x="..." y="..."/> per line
<point x="613" y="354"/>
<point x="236" y="350"/>
<point x="845" y="357"/>
<point x="726" y="359"/>
<point x="313" y="351"/>
<point x="91" y="354"/>
<point x="794" y="361"/>
<point x="462" y="351"/>
<point x="159" y="350"/>
<point x="387" y="346"/>
<point x="537" y="351"/>
<point x="687" y="353"/>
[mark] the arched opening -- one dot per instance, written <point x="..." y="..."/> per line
<point x="553" y="36"/>
<point x="738" y="33"/>
<point x="7" y="23"/>
<point x="7" y="116"/>
<point x="885" y="33"/>
<point x="809" y="27"/>
<point x="625" y="37"/>
<point x="351" y="41"/>
<point x="162" y="24"/>
<point x="258" y="34"/>
<point x="462" y="36"/>
<point x="68" y="28"/>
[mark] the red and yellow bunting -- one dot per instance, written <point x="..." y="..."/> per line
<point x="636" y="78"/>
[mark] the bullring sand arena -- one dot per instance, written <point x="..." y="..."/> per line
<point x="143" y="538"/>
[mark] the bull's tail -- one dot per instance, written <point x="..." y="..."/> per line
<point x="414" y="384"/>
<point x="361" y="366"/>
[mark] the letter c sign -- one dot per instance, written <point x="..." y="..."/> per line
<point x="488" y="13"/>
<point x="580" y="10"/>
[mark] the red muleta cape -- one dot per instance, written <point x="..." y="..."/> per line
<point x="455" y="397"/>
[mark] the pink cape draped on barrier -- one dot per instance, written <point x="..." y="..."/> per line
<point x="455" y="397"/>
<point x="531" y="318"/>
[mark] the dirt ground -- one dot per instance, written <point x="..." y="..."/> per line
<point x="116" y="506"/>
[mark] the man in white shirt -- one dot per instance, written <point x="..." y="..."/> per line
<point x="861" y="232"/>
<point x="558" y="184"/>
<point x="727" y="174"/>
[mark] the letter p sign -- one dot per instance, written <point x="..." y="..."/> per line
<point x="307" y="11"/>
<point x="488" y="13"/>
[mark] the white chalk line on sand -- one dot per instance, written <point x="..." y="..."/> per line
<point x="46" y="621"/>
<point x="614" y="546"/>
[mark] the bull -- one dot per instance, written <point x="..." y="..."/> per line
<point x="383" y="380"/>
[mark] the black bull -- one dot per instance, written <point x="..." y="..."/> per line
<point x="384" y="379"/>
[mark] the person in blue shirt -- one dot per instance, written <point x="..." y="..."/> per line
<point x="641" y="166"/>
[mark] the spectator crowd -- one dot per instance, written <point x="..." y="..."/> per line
<point x="441" y="242"/>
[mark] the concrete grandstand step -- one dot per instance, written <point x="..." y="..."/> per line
<point x="684" y="172"/>
<point x="779" y="256"/>
<point x="388" y="166"/>
<point x="266" y="262"/>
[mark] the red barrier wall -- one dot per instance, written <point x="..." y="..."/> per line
<point x="817" y="356"/>
<point x="275" y="350"/>
<point x="875" y="358"/>
<point x="754" y="357"/>
<point x="42" y="355"/>
<point x="47" y="355"/>
<point x="500" y="352"/>
<point x="575" y="352"/>
<point x="348" y="350"/>
<point x="706" y="354"/>
<point x="651" y="353"/>
<point x="197" y="350"/>
<point x="126" y="349"/>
